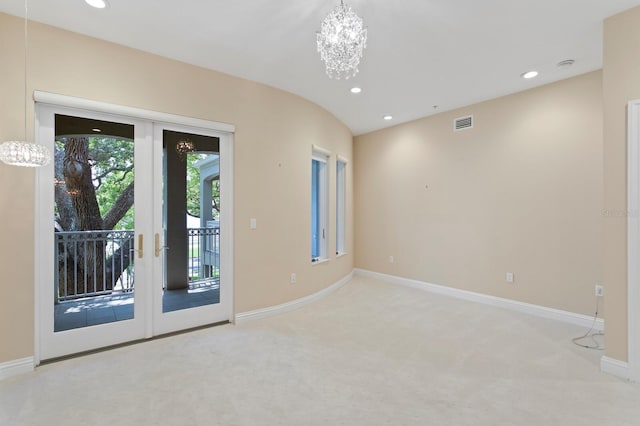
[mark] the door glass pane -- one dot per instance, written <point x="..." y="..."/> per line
<point x="191" y="221"/>
<point x="315" y="209"/>
<point x="93" y="222"/>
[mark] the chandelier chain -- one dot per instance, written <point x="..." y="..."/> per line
<point x="26" y="46"/>
<point x="23" y="153"/>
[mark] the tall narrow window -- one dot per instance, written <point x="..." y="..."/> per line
<point x="319" y="203"/>
<point x="341" y="190"/>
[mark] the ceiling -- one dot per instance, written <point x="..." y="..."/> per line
<point x="420" y="54"/>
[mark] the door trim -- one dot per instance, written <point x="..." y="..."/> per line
<point x="633" y="238"/>
<point x="125" y="112"/>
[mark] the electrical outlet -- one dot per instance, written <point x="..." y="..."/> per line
<point x="292" y="280"/>
<point x="509" y="277"/>
<point x="599" y="290"/>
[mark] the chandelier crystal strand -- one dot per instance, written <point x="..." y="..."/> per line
<point x="25" y="154"/>
<point x="341" y="42"/>
<point x="22" y="153"/>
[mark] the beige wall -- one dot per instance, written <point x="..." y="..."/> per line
<point x="272" y="169"/>
<point x="521" y="192"/>
<point x="621" y="83"/>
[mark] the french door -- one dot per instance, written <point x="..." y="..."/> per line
<point x="133" y="229"/>
<point x="192" y="250"/>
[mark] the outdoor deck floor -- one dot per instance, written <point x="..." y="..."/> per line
<point x="117" y="307"/>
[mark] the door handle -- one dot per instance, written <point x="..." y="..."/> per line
<point x="158" y="247"/>
<point x="140" y="246"/>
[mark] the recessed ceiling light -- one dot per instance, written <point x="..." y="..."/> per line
<point x="98" y="4"/>
<point x="96" y="130"/>
<point x="387" y="117"/>
<point x="356" y="90"/>
<point x="530" y="74"/>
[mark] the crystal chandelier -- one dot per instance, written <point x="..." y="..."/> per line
<point x="25" y="154"/>
<point x="184" y="147"/>
<point x="22" y="153"/>
<point x="341" y="42"/>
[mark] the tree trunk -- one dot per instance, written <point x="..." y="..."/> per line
<point x="66" y="216"/>
<point x="77" y="177"/>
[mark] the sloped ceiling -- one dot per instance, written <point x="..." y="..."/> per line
<point x="421" y="53"/>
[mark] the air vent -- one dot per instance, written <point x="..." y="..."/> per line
<point x="463" y="123"/>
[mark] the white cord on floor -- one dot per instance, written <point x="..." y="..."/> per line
<point x="589" y="333"/>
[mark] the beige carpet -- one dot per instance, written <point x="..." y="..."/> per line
<point x="369" y="354"/>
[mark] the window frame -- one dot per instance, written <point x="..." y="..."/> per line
<point x="319" y="205"/>
<point x="341" y="205"/>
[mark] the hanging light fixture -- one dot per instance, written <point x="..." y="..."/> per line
<point x="185" y="147"/>
<point x="23" y="153"/>
<point x="341" y="42"/>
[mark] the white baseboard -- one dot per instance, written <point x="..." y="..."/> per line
<point x="536" y="310"/>
<point x="16" y="367"/>
<point x="290" y="306"/>
<point x="615" y="367"/>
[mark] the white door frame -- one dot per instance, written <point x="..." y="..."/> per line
<point x="43" y="184"/>
<point x="633" y="238"/>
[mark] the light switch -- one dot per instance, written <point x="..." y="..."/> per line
<point x="253" y="224"/>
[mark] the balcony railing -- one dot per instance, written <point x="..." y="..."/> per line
<point x="95" y="263"/>
<point x="204" y="255"/>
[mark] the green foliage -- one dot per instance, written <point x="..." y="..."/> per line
<point x="112" y="164"/>
<point x="113" y="170"/>
<point x="193" y="186"/>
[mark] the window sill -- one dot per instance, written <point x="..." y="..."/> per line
<point x="319" y="261"/>
<point x="339" y="255"/>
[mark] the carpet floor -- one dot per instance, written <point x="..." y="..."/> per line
<point x="370" y="353"/>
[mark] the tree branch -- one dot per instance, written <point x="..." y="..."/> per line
<point x="119" y="208"/>
<point x="126" y="170"/>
